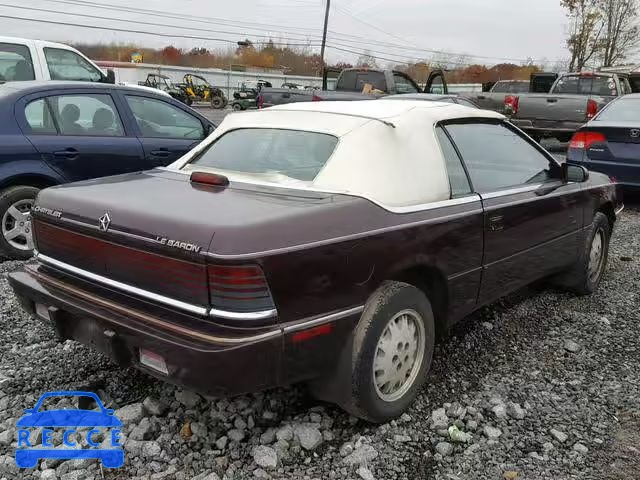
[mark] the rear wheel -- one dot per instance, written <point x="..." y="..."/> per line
<point x="392" y="351"/>
<point x="217" y="102"/>
<point x="585" y="276"/>
<point x="237" y="107"/>
<point x="16" y="240"/>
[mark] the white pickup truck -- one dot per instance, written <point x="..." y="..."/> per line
<point x="25" y="59"/>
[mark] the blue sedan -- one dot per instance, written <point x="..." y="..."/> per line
<point x="58" y="132"/>
<point x="610" y="142"/>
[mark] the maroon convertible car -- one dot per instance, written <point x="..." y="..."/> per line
<point x="324" y="242"/>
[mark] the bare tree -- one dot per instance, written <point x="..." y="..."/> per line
<point x="621" y="31"/>
<point x="585" y="31"/>
<point x="367" y="60"/>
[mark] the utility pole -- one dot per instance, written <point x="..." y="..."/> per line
<point x="324" y="41"/>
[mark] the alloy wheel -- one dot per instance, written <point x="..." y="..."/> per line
<point x="398" y="356"/>
<point x="16" y="225"/>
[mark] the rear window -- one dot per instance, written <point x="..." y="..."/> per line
<point x="272" y="155"/>
<point x="586" y="85"/>
<point x="15" y="63"/>
<point x="624" y="110"/>
<point x="356" y="80"/>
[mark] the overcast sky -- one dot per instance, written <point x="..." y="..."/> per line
<point x="495" y="29"/>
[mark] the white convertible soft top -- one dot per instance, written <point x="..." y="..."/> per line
<point x="387" y="151"/>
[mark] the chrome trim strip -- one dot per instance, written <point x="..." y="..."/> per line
<point x="510" y="191"/>
<point x="324" y="319"/>
<point x="474" y="197"/>
<point x="262" y="315"/>
<point x="619" y="210"/>
<point x="123" y="286"/>
<point x="147" y="318"/>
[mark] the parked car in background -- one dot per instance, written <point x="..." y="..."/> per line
<point x="355" y="84"/>
<point x="433" y="97"/>
<point x="164" y="84"/>
<point x="574" y="99"/>
<point x="610" y="142"/>
<point x="494" y="98"/>
<point x="23" y="59"/>
<point x="59" y="132"/>
<point x="323" y="242"/>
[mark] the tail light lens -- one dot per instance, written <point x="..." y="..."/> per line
<point x="316" y="98"/>
<point x="583" y="140"/>
<point x="260" y="101"/>
<point x="239" y="288"/>
<point x="511" y="104"/>
<point x="592" y="109"/>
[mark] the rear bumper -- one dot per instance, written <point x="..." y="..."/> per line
<point x="224" y="362"/>
<point x="213" y="365"/>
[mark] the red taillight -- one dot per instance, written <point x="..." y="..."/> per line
<point x="511" y="104"/>
<point x="583" y="140"/>
<point x="592" y="109"/>
<point x="316" y="98"/>
<point x="260" y="101"/>
<point x="206" y="178"/>
<point x="239" y="288"/>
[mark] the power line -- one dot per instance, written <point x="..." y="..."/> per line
<point x="139" y="22"/>
<point x="141" y="32"/>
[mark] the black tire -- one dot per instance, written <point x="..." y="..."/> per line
<point x="9" y="197"/>
<point x="581" y="279"/>
<point x="217" y="102"/>
<point x="237" y="107"/>
<point x="388" y="301"/>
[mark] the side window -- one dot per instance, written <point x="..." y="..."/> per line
<point x="91" y="115"/>
<point x="15" y="63"/>
<point x="500" y="87"/>
<point x="403" y="84"/>
<point x="39" y="118"/>
<point x="457" y="176"/>
<point x="497" y="157"/>
<point x="68" y="65"/>
<point x="158" y="119"/>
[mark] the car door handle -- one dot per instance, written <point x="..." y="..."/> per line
<point x="69" y="153"/>
<point x="552" y="100"/>
<point x="163" y="152"/>
<point x="481" y="97"/>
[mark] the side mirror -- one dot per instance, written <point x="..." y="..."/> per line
<point x="574" y="173"/>
<point x="111" y="77"/>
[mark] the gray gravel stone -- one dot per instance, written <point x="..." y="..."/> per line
<point x="444" y="448"/>
<point x="308" y="435"/>
<point x="500" y="411"/>
<point x="7" y="437"/>
<point x="236" y="435"/>
<point x="558" y="435"/>
<point x="188" y="398"/>
<point x="221" y="443"/>
<point x="155" y="406"/>
<point x="514" y="410"/>
<point x="492" y="433"/>
<point x="571" y="346"/>
<point x="48" y="474"/>
<point x="361" y="455"/>
<point x="130" y="414"/>
<point x="580" y="448"/>
<point x="365" y="474"/>
<point x="151" y="449"/>
<point x="440" y="419"/>
<point x="265" y="457"/>
<point x="285" y="433"/>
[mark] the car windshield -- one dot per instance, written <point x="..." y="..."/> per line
<point x="623" y="110"/>
<point x="273" y="155"/>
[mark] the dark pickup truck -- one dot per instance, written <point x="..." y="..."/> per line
<point x="355" y="84"/>
<point x="573" y="100"/>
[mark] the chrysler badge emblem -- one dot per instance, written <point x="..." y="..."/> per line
<point x="105" y="221"/>
<point x="634" y="132"/>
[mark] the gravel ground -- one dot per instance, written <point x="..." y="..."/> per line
<point x="540" y="385"/>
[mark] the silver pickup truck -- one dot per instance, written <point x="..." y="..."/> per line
<point x="494" y="99"/>
<point x="573" y="100"/>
